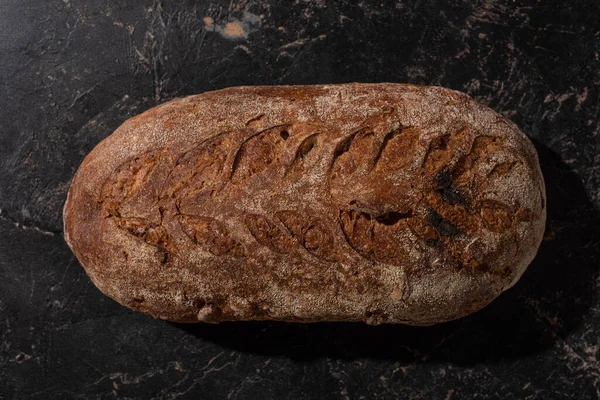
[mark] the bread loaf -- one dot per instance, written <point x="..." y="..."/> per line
<point x="386" y="203"/>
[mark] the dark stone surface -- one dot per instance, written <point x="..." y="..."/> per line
<point x="72" y="70"/>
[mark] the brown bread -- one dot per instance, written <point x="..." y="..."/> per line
<point x="375" y="202"/>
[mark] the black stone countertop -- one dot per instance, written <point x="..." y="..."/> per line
<point x="71" y="71"/>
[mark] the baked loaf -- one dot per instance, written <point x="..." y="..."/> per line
<point x="385" y="203"/>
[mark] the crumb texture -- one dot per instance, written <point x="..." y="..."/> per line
<point x="381" y="203"/>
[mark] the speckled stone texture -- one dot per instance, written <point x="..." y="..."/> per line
<point x="72" y="71"/>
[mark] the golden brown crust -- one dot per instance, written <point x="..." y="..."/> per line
<point x="374" y="202"/>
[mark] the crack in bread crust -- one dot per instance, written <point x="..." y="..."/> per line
<point x="447" y="183"/>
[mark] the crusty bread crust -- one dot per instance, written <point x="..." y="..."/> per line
<point x="376" y="202"/>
